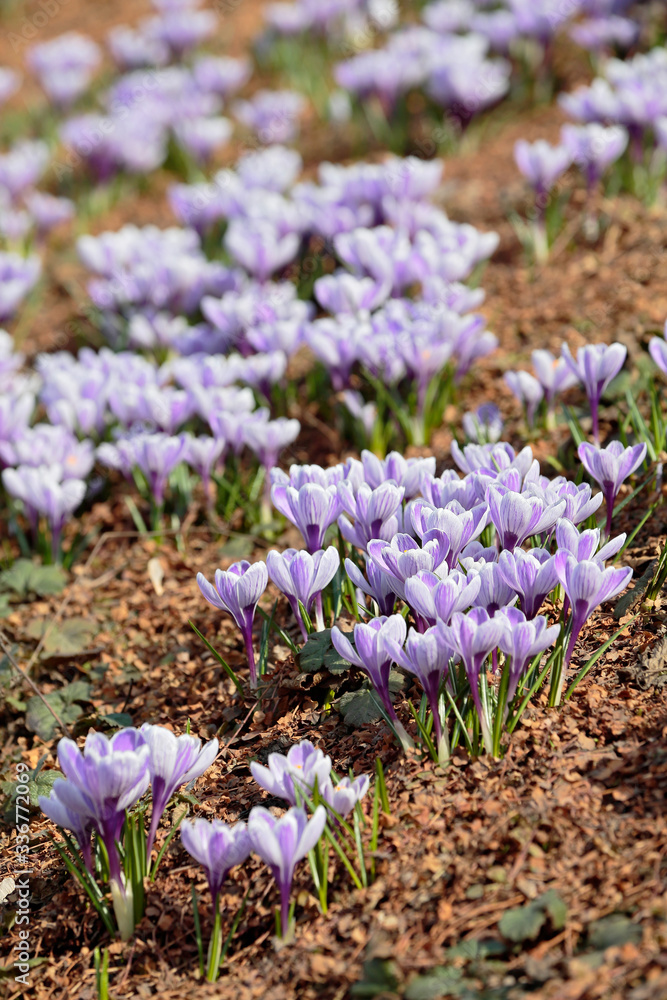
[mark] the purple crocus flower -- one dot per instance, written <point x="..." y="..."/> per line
<point x="282" y="843"/>
<point x="580" y="502"/>
<point x="526" y="388"/>
<point x="610" y="467"/>
<point x="405" y="472"/>
<point x="587" y="585"/>
<point x="433" y="599"/>
<point x="374" y="511"/>
<point x="516" y="517"/>
<point x="312" y="508"/>
<point x="553" y="374"/>
<point x="376" y="586"/>
<point x="41" y="491"/>
<point x="483" y="425"/>
<point x="541" y="164"/>
<point x="459" y="525"/>
<point x="64" y="66"/>
<point x="10" y="81"/>
<point x="596" y="365"/>
<point x="217" y="847"/>
<point x="346" y="293"/>
<point x="101" y="784"/>
<point x="344" y="795"/>
<point x="220" y="74"/>
<point x="658" y="350"/>
<point x="532" y="575"/>
<point x="237" y="590"/>
<point x="259" y="246"/>
<point x="81" y="825"/>
<point x="521" y="641"/>
<point x="371" y="654"/>
<point x="18" y="275"/>
<point x="268" y="438"/>
<point x="156" y="455"/>
<point x="290" y="777"/>
<point x="173" y="761"/>
<point x="302" y="577"/>
<point x="474" y="636"/>
<point x="427" y="655"/>
<point x="272" y="114"/>
<point x="584" y="544"/>
<point x="22" y="167"/>
<point x="403" y="557"/>
<point x="494" y="591"/>
<point x="594" y="147"/>
<point x="202" y="454"/>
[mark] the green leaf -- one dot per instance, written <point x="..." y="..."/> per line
<point x="46" y="581"/>
<point x="69" y="638"/>
<point x="25" y="577"/>
<point x="38" y="718"/>
<point x="359" y="708"/>
<point x="612" y="931"/>
<point x="379" y="977"/>
<point x="17" y="576"/>
<point x="39" y="782"/>
<point x="439" y="982"/>
<point x="524" y="923"/>
<point x="555" y="907"/>
<point x="474" y="950"/>
<point x="319" y="654"/>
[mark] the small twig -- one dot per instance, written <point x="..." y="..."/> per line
<point x="8" y="653"/>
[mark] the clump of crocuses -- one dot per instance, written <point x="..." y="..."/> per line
<point x="97" y="798"/>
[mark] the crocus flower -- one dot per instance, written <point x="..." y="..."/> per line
<point x="541" y="164"/>
<point x="173" y="761"/>
<point x="553" y="374"/>
<point x="521" y="642"/>
<point x="344" y="795"/>
<point x="64" y="65"/>
<point x="595" y="366"/>
<point x="302" y="577"/>
<point x="658" y="350"/>
<point x="312" y="508"/>
<point x="610" y="467"/>
<point x="526" y="388"/>
<point x="282" y="843"/>
<point x="584" y="544"/>
<point x="484" y="425"/>
<point x="217" y="847"/>
<point x="371" y="654"/>
<point x="459" y="525"/>
<point x="376" y="586"/>
<point x="594" y="147"/>
<point x="80" y="824"/>
<point x="373" y="510"/>
<point x="10" y="82"/>
<point x="42" y="491"/>
<point x="474" y="636"/>
<point x="427" y="655"/>
<point x="531" y="574"/>
<point x="517" y="517"/>
<point x="586" y="585"/>
<point x="403" y="557"/>
<point x="431" y="598"/>
<point x="237" y="590"/>
<point x="290" y="777"/>
<point x="17" y="276"/>
<point x="405" y="472"/>
<point x="494" y="591"/>
<point x="101" y="784"/>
